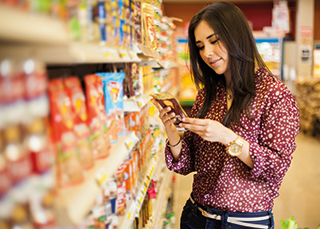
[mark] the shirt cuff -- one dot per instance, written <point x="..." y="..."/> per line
<point x="184" y="158"/>
<point x="258" y="160"/>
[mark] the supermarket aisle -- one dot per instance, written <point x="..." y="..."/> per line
<point x="299" y="193"/>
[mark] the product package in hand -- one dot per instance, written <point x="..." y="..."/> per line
<point x="165" y="99"/>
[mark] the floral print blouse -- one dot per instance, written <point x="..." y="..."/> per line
<point x="225" y="182"/>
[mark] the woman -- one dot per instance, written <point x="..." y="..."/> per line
<point x="242" y="127"/>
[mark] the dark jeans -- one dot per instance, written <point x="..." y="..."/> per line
<point x="191" y="218"/>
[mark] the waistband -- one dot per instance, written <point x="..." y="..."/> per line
<point x="238" y="218"/>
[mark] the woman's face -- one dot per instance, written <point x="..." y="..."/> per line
<point x="211" y="50"/>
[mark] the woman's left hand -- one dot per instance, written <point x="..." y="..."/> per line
<point x="208" y="129"/>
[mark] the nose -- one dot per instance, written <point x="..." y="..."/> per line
<point x="208" y="53"/>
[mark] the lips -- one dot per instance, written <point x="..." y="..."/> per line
<point x="215" y="61"/>
<point x="212" y="63"/>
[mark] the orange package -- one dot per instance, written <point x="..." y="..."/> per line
<point x="81" y="129"/>
<point x="69" y="169"/>
<point x="97" y="123"/>
<point x="131" y="122"/>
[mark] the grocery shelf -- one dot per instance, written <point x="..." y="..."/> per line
<point x="135" y="207"/>
<point x="72" y="52"/>
<point x="22" y="26"/>
<point x="146" y="52"/>
<point x="74" y="203"/>
<point x="25" y="35"/>
<point x="168" y="64"/>
<point x="162" y="199"/>
<point x="134" y="104"/>
<point x="128" y="218"/>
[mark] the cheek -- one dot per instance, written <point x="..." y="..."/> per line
<point x="202" y="56"/>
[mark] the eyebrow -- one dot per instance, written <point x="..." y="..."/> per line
<point x="208" y="37"/>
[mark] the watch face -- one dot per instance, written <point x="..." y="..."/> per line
<point x="235" y="150"/>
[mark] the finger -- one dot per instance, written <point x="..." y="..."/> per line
<point x="169" y="116"/>
<point x="193" y="127"/>
<point x="170" y="121"/>
<point x="195" y="121"/>
<point x="156" y="104"/>
<point x="166" y="111"/>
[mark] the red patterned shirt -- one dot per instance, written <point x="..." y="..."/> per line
<point x="225" y="182"/>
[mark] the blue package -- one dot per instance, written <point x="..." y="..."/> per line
<point x="113" y="92"/>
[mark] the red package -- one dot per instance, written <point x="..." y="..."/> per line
<point x="18" y="158"/>
<point x="69" y="169"/>
<point x="5" y="182"/>
<point x="38" y="145"/>
<point x="61" y="110"/>
<point x="81" y="129"/>
<point x="96" y="120"/>
<point x="35" y="95"/>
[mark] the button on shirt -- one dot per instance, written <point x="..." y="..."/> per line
<point x="225" y="182"/>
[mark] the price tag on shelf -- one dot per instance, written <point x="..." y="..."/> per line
<point x="123" y="55"/>
<point x="107" y="54"/>
<point x="101" y="176"/>
<point x="128" y="143"/>
<point x="150" y="173"/>
<point x="129" y="215"/>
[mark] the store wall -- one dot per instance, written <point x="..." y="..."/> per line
<point x="290" y="56"/>
<point x="304" y="37"/>
<point x="252" y="11"/>
<point x="258" y="13"/>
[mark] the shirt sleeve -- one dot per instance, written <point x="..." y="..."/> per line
<point x="185" y="164"/>
<point x="279" y="126"/>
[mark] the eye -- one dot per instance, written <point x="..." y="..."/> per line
<point x="215" y="41"/>
<point x="200" y="48"/>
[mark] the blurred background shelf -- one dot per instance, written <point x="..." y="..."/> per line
<point x="74" y="203"/>
<point x="21" y="26"/>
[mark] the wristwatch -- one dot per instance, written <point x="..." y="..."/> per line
<point x="234" y="148"/>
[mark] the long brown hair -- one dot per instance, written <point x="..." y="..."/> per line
<point x="234" y="32"/>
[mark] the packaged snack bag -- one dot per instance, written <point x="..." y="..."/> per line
<point x="38" y="145"/>
<point x="136" y="81"/>
<point x="69" y="169"/>
<point x="81" y="129"/>
<point x="166" y="99"/>
<point x="61" y="110"/>
<point x="13" y="111"/>
<point x="99" y="142"/>
<point x="42" y="209"/>
<point x="144" y="123"/>
<point x="73" y="19"/>
<point x="131" y="121"/>
<point x="136" y="19"/>
<point x="102" y="113"/>
<point x="16" y="155"/>
<point x="35" y="127"/>
<point x="5" y="182"/>
<point x="148" y="27"/>
<point x="128" y="178"/>
<point x="113" y="91"/>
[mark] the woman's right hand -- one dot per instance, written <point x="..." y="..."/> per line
<point x="167" y="117"/>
